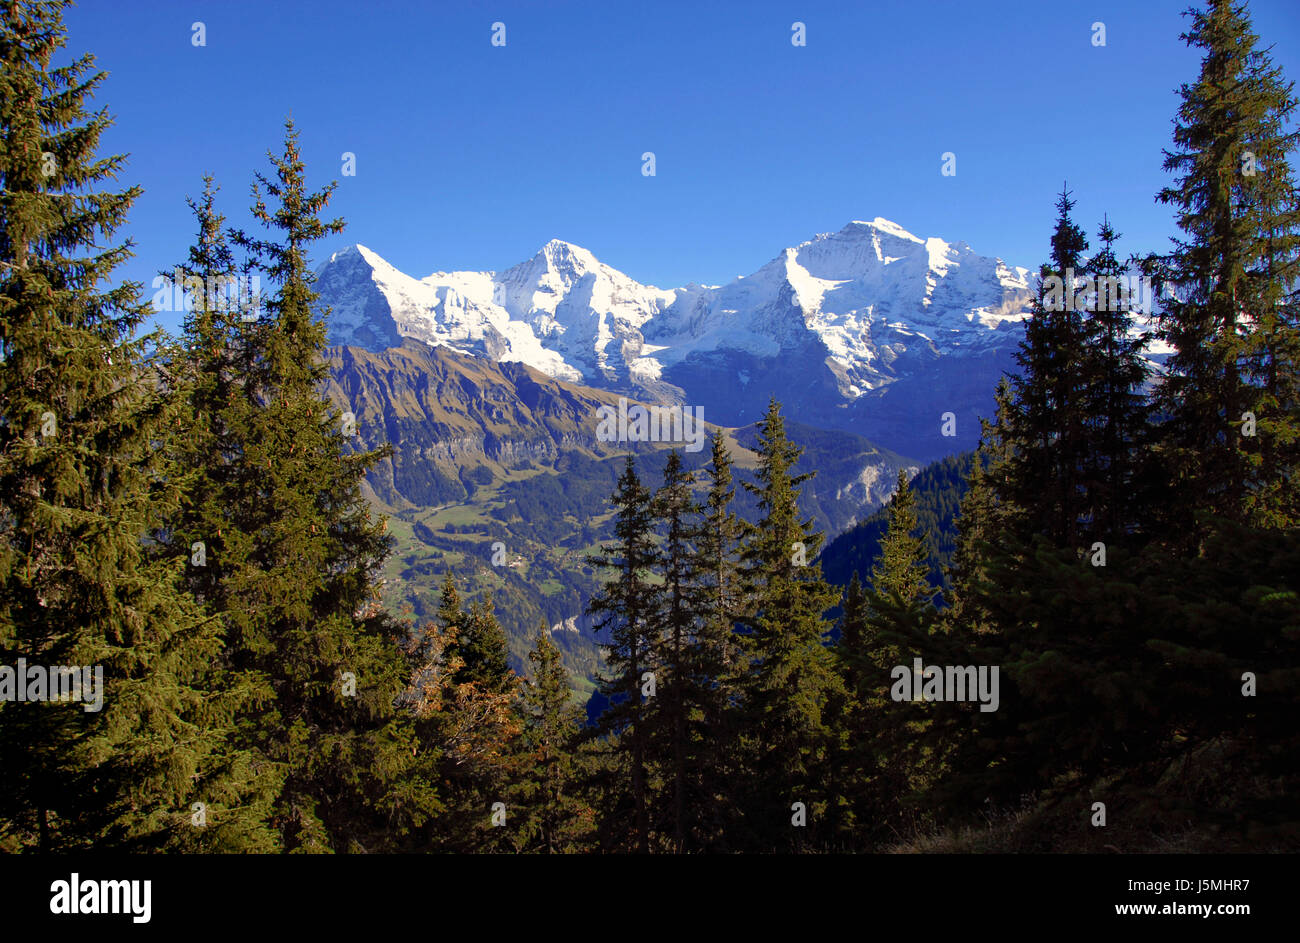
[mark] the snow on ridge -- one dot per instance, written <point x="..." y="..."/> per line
<point x="865" y="294"/>
<point x="883" y="225"/>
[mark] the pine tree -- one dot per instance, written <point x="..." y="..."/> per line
<point x="468" y="725"/>
<point x="85" y="495"/>
<point x="207" y="372"/>
<point x="626" y="608"/>
<point x="896" y="618"/>
<point x="674" y="508"/>
<point x="481" y="645"/>
<point x="718" y="656"/>
<point x="303" y="602"/>
<point x="853" y="632"/>
<point x="792" y="676"/>
<point x="1233" y="280"/>
<point x="554" y="818"/>
<point x="1114" y="405"/>
<point x="1050" y="442"/>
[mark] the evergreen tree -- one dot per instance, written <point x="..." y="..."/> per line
<point x="302" y="597"/>
<point x="970" y="746"/>
<point x="626" y="607"/>
<point x="938" y="489"/>
<point x="450" y="612"/>
<point x="674" y="507"/>
<point x="986" y="519"/>
<point x="894" y="628"/>
<point x="554" y="818"/>
<point x="468" y="725"/>
<point x="85" y="495"/>
<point x="1070" y="653"/>
<point x="1220" y="694"/>
<point x="899" y="577"/>
<point x="1114" y="404"/>
<point x="207" y="371"/>
<point x="792" y="675"/>
<point x="1233" y="279"/>
<point x="1059" y="466"/>
<point x="1050" y="444"/>
<point x="853" y="633"/>
<point x="718" y="657"/>
<point x="481" y="645"/>
<point x="853" y="755"/>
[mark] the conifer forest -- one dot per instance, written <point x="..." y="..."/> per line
<point x="229" y="624"/>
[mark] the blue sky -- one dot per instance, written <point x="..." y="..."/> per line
<point x="471" y="156"/>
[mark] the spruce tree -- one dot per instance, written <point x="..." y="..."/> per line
<point x="207" y="372"/>
<point x="970" y="746"/>
<point x="487" y="697"/>
<point x="554" y="818"/>
<point x="303" y="600"/>
<point x="627" y="609"/>
<point x="86" y="499"/>
<point x="1050" y="443"/>
<point x="481" y="645"/>
<point x="1056" y="470"/>
<point x="1233" y="277"/>
<point x="986" y="518"/>
<point x="718" y="656"/>
<point x="1066" y="635"/>
<point x="1229" y="441"/>
<point x="681" y="686"/>
<point x="1113" y="404"/>
<point x="853" y="632"/>
<point x="450" y="612"/>
<point x="900" y="574"/>
<point x="853" y="756"/>
<point x="792" y="675"/>
<point x="468" y="726"/>
<point x="895" y="628"/>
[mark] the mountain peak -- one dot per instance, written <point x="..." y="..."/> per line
<point x="842" y="324"/>
<point x="561" y="256"/>
<point x="882" y="225"/>
<point x="344" y="253"/>
<point x="358" y="252"/>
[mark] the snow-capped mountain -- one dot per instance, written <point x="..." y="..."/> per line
<point x="869" y="329"/>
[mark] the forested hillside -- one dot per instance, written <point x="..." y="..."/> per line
<point x="252" y="588"/>
<point x="938" y="488"/>
<point x="496" y="475"/>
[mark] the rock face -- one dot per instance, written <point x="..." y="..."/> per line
<point x="448" y="414"/>
<point x="457" y="421"/>
<point x="870" y="329"/>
